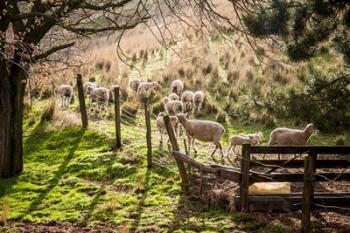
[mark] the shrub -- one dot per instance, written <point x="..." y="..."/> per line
<point x="340" y="140"/>
<point x="207" y="69"/>
<point x="268" y="120"/>
<point x="221" y="117"/>
<point x="157" y="107"/>
<point x="48" y="111"/>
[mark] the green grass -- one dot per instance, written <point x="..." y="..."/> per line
<point x="71" y="175"/>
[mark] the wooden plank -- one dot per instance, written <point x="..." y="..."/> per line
<point x="300" y="149"/>
<point x="84" y="118"/>
<point x="194" y="163"/>
<point x="279" y="202"/>
<point x="298" y="177"/>
<point x="175" y="148"/>
<point x="244" y="181"/>
<point x="300" y="163"/>
<point x="148" y="132"/>
<point x="118" y="143"/>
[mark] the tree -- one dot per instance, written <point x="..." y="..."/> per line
<point x="307" y="27"/>
<point x="26" y="26"/>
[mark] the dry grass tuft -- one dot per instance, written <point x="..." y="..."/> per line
<point x="48" y="111"/>
<point x="65" y="119"/>
<point x="5" y="212"/>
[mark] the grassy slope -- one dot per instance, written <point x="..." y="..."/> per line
<point x="71" y="175"/>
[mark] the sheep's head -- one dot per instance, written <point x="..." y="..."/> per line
<point x="161" y="114"/>
<point x="311" y="130"/>
<point x="173" y="96"/>
<point x="165" y="100"/>
<point x="182" y="117"/>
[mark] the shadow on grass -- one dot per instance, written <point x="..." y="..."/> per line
<point x="137" y="218"/>
<point x="52" y="183"/>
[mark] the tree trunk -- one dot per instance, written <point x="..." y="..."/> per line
<point x="12" y="84"/>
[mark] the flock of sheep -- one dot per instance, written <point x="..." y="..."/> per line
<point x="179" y="104"/>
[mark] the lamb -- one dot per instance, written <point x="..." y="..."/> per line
<point x="288" y="137"/>
<point x="203" y="130"/>
<point x="172" y="107"/>
<point x="65" y="92"/>
<point x="145" y="89"/>
<point x="173" y="96"/>
<point x="187" y="100"/>
<point x="241" y="139"/>
<point x="177" y="86"/>
<point x="101" y="96"/>
<point x="161" y="125"/>
<point x="198" y="99"/>
<point x="134" y="84"/>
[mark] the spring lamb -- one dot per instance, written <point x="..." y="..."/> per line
<point x="187" y="100"/>
<point x="177" y="86"/>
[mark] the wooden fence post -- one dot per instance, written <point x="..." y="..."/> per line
<point x="244" y="181"/>
<point x="308" y="191"/>
<point x="82" y="105"/>
<point x="175" y="147"/>
<point x="148" y="132"/>
<point x="118" y="143"/>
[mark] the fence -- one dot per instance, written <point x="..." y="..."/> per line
<point x="245" y="176"/>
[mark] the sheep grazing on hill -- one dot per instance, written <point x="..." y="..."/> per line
<point x="203" y="130"/>
<point x="101" y="96"/>
<point x="187" y="100"/>
<point x="161" y="125"/>
<point x="145" y="89"/>
<point x="177" y="87"/>
<point x="238" y="140"/>
<point x="65" y="92"/>
<point x="172" y="107"/>
<point x="134" y="84"/>
<point x="89" y="87"/>
<point x="174" y="96"/>
<point x="198" y="99"/>
<point x="289" y="137"/>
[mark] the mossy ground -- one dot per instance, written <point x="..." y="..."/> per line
<point x="72" y="175"/>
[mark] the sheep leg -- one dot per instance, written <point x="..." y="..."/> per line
<point x="212" y="154"/>
<point x="221" y="151"/>
<point x="194" y="147"/>
<point x="189" y="144"/>
<point x="228" y="150"/>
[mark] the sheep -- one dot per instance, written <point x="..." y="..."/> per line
<point x="203" y="130"/>
<point x="173" y="96"/>
<point x="161" y="125"/>
<point x="177" y="86"/>
<point x="187" y="100"/>
<point x="241" y="139"/>
<point x="65" y="92"/>
<point x="172" y="107"/>
<point x="198" y="99"/>
<point x="134" y="84"/>
<point x="101" y="96"/>
<point x="288" y="137"/>
<point x="89" y="87"/>
<point x="145" y="89"/>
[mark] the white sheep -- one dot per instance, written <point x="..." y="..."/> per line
<point x="134" y="84"/>
<point x="289" y="137"/>
<point x="198" y="99"/>
<point x="238" y="140"/>
<point x="65" y="92"/>
<point x="161" y="125"/>
<point x="101" y="96"/>
<point x="177" y="86"/>
<point x="172" y="107"/>
<point x="174" y="96"/>
<point x="89" y="87"/>
<point x="187" y="100"/>
<point x="203" y="130"/>
<point x="145" y="89"/>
